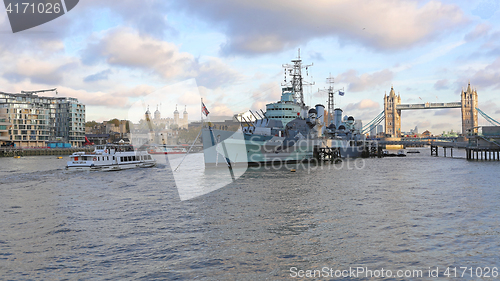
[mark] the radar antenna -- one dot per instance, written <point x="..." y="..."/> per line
<point x="296" y="84"/>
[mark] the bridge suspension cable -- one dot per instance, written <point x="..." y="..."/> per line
<point x="374" y="122"/>
<point x="488" y="118"/>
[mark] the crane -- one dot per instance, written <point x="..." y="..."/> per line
<point x="39" y="91"/>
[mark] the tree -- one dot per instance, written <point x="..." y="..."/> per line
<point x="115" y="121"/>
<point x="188" y="136"/>
<point x="90" y="123"/>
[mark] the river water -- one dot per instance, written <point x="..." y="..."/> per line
<point x="401" y="214"/>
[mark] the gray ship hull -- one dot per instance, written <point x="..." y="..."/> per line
<point x="221" y="147"/>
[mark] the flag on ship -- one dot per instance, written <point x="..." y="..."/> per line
<point x="341" y="93"/>
<point x="204" y="109"/>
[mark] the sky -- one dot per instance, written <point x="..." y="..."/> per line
<point x="112" y="55"/>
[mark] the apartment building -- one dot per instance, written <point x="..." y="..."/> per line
<point x="32" y="121"/>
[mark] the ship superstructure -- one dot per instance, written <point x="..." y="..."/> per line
<point x="291" y="104"/>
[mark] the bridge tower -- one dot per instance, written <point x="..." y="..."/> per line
<point x="469" y="111"/>
<point x="392" y="115"/>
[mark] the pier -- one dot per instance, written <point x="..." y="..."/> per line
<point x="327" y="154"/>
<point x="484" y="145"/>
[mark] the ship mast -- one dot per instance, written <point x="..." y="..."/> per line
<point x="331" y="101"/>
<point x="295" y="72"/>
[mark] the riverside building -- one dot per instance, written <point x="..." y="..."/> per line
<point x="29" y="120"/>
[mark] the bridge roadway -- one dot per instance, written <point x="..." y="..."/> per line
<point x="429" y="105"/>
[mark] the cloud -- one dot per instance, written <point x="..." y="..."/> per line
<point x="489" y="76"/>
<point x="315" y="56"/>
<point x="443" y="126"/>
<point x="220" y="109"/>
<point x="266" y="93"/>
<point x="365" y="109"/>
<point x="214" y="73"/>
<point x="257" y="27"/>
<point x="423" y="124"/>
<point x="481" y="30"/>
<point x="358" y="83"/>
<point x="488" y="106"/>
<point x="429" y="56"/>
<point x="103" y="75"/>
<point x="94" y="98"/>
<point x="441" y="84"/>
<point x="148" y="17"/>
<point x="35" y="70"/>
<point x="455" y="112"/>
<point x="124" y="47"/>
<point x="137" y="91"/>
<point x="363" y="105"/>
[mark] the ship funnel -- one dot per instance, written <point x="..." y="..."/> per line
<point x="338" y="117"/>
<point x="320" y="109"/>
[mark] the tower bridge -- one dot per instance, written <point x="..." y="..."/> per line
<point x="393" y="108"/>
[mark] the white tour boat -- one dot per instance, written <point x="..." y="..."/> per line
<point x="110" y="157"/>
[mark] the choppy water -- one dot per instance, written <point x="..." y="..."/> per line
<point x="407" y="213"/>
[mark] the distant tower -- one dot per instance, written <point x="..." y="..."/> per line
<point x="147" y="115"/>
<point x="185" y="115"/>
<point x="157" y="114"/>
<point x="176" y="116"/>
<point x="150" y="125"/>
<point x="392" y="115"/>
<point x="469" y="111"/>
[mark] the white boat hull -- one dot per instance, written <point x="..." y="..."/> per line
<point x="113" y="167"/>
<point x="110" y="158"/>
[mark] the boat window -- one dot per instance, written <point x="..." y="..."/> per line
<point x="113" y="158"/>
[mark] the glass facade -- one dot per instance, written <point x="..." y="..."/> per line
<point x="31" y="120"/>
